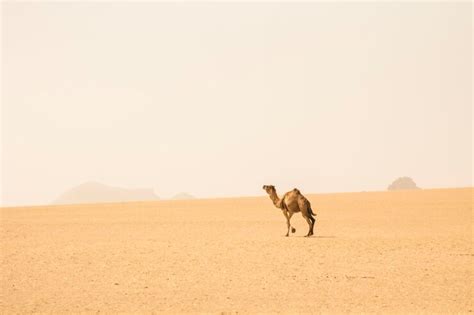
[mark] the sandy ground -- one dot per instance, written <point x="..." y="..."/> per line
<point x="373" y="252"/>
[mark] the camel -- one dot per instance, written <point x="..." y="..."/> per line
<point x="292" y="202"/>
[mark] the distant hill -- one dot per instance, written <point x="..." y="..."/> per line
<point x="94" y="192"/>
<point x="183" y="196"/>
<point x="403" y="183"/>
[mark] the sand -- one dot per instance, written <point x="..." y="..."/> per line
<point x="407" y="251"/>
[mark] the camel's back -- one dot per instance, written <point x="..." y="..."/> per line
<point x="296" y="202"/>
<point x="292" y="200"/>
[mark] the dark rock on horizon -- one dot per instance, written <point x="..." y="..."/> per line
<point x="403" y="183"/>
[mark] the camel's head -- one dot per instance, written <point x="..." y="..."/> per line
<point x="269" y="189"/>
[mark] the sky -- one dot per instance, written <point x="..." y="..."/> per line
<point x="217" y="99"/>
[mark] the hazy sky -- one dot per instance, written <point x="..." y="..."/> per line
<point x="219" y="99"/>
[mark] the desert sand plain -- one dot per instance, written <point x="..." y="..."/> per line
<point x="407" y="251"/>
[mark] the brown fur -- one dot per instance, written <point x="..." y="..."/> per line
<point x="292" y="202"/>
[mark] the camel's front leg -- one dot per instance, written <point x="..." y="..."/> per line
<point x="288" y="216"/>
<point x="285" y="213"/>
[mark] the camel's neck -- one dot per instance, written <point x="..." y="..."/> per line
<point x="276" y="200"/>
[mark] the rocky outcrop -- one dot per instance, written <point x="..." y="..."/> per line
<point x="403" y="183"/>
<point x="94" y="192"/>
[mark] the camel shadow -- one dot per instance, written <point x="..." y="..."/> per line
<point x="314" y="236"/>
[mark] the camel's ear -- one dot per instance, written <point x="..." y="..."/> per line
<point x="264" y="186"/>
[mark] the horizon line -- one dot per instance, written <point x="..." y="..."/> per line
<point x="223" y="197"/>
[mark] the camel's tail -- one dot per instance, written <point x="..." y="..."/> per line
<point x="312" y="212"/>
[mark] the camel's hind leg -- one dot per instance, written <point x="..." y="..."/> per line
<point x="309" y="218"/>
<point x="306" y="211"/>
<point x="310" y="221"/>
<point x="312" y="224"/>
